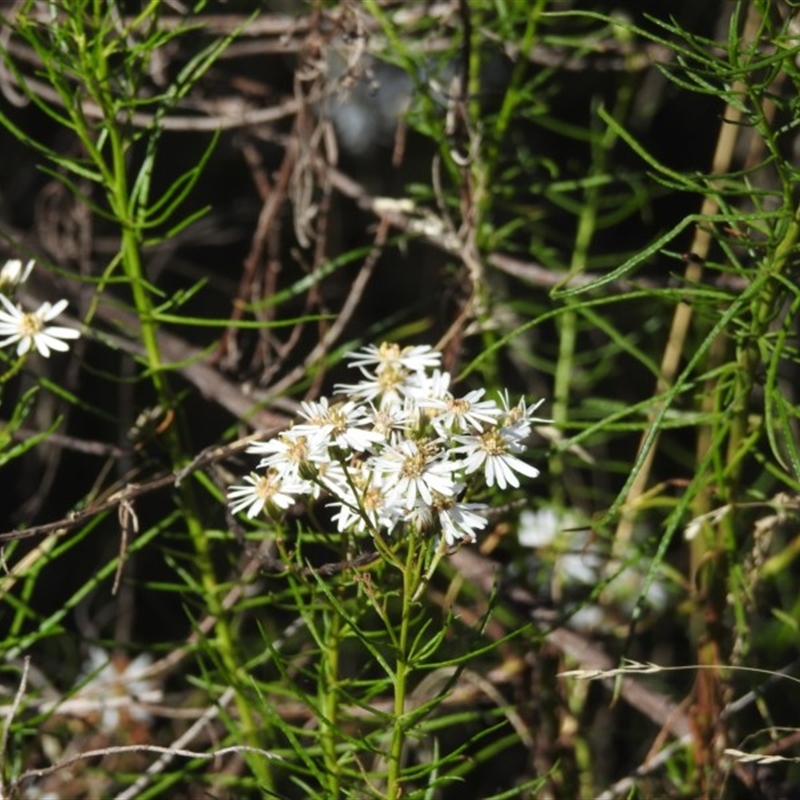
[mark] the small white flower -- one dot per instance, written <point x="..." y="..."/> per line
<point x="394" y="368"/>
<point x="339" y="424"/>
<point x="462" y="521"/>
<point x="423" y="387"/>
<point x="392" y="356"/>
<point x="492" y="451"/>
<point x="31" y="330"/>
<point x="542" y="527"/>
<point x="456" y="521"/>
<point x="388" y="387"/>
<point x="421" y="516"/>
<point x="260" y="491"/>
<point x="394" y="419"/>
<point x="577" y="560"/>
<point x="332" y="476"/>
<point x="413" y="469"/>
<point x="289" y="453"/>
<point x="370" y="511"/>
<point x="583" y="564"/>
<point x="520" y="418"/>
<point x="464" y="414"/>
<point x="13" y="274"/>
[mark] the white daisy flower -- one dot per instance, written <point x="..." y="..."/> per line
<point x="391" y="356"/>
<point x="492" y="451"/>
<point x="340" y="424"/>
<point x="30" y="329"/>
<point x="414" y="469"/>
<point x="290" y="454"/>
<point x="463" y="414"/>
<point x="388" y="387"/>
<point x="116" y="688"/>
<point x="520" y="417"/>
<point x="332" y="476"/>
<point x="423" y="387"/>
<point x="578" y="560"/>
<point x="456" y="521"/>
<point x="260" y="491"/>
<point x="13" y="274"/>
<point x="372" y="510"/>
<point x="462" y="521"/>
<point x="421" y="516"/>
<point x="541" y="528"/>
<point x="394" y="419"/>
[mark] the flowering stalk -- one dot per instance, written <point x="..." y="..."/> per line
<point x="412" y="580"/>
<point x="397" y="460"/>
<point x="328" y="700"/>
<point x="132" y="223"/>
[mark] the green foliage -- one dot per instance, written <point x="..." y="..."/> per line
<point x="541" y="226"/>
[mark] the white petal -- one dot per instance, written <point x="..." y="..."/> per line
<point x="51" y="312"/>
<point x="13" y="311"/>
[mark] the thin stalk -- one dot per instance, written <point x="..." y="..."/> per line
<point x="132" y="265"/>
<point x="568" y="320"/>
<point x="765" y="308"/>
<point x="721" y="163"/>
<point x="512" y="97"/>
<point x="91" y="64"/>
<point x="329" y="701"/>
<point x="712" y="554"/>
<point x="13" y="370"/>
<point x="478" y="176"/>
<point x="403" y="669"/>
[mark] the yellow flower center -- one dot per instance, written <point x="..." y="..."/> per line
<point x="414" y="465"/>
<point x="389" y="378"/>
<point x="493" y="443"/>
<point x="30" y="325"/>
<point x="389" y="351"/>
<point x="458" y="406"/>
<point x="267" y="486"/>
<point x="298" y="449"/>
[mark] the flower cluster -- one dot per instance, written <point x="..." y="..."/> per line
<point x="401" y="449"/>
<point x="29" y="330"/>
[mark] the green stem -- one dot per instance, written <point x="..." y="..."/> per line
<point x="107" y="144"/>
<point x="764" y="309"/>
<point x="14" y="369"/>
<point x="403" y="669"/>
<point x="568" y="320"/>
<point x="328" y="688"/>
<point x="132" y="265"/>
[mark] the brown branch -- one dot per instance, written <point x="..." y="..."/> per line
<point x="608" y="53"/>
<point x="140" y="748"/>
<point x="652" y="704"/>
<point x="74" y="519"/>
<point x="217" y="115"/>
<point x="436" y="232"/>
<point x="348" y="309"/>
<point x="133" y="490"/>
<point x="272" y="196"/>
<point x="102" y="449"/>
